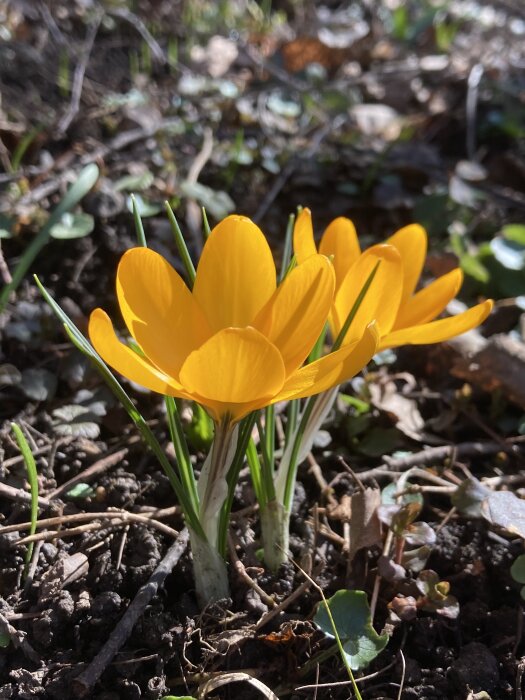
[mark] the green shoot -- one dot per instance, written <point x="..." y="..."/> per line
<point x="267" y="465"/>
<point x="206" y="224"/>
<point x="139" y="228"/>
<point x="181" y="451"/>
<point x="32" y="478"/>
<point x="317" y="349"/>
<point x="63" y="77"/>
<point x="181" y="244"/>
<point x="22" y="147"/>
<point x="145" y="52"/>
<point x="292" y="470"/>
<point x="287" y="248"/>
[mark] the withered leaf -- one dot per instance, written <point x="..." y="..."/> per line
<point x="365" y="528"/>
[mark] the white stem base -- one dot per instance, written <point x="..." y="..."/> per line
<point x="275" y="531"/>
<point x="209" y="569"/>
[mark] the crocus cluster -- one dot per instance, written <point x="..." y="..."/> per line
<point x="236" y="341"/>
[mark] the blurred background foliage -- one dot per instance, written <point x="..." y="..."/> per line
<point x="387" y="112"/>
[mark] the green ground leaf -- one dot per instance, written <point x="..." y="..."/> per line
<point x="81" y="491"/>
<point x="72" y="226"/>
<point x="380" y="441"/>
<point x="135" y="182"/>
<point x="517" y="570"/>
<point x="76" y="421"/>
<point x="144" y="207"/>
<point x="351" y="614"/>
<point x="218" y="203"/>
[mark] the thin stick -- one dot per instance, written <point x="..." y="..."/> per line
<point x="337" y="684"/>
<point x="80" y="517"/>
<point x="403" y="674"/>
<point x="440" y="454"/>
<point x="193" y="210"/>
<point x="122" y="518"/>
<point x="241" y="570"/>
<point x="282" y="606"/>
<point x="83" y="683"/>
<point x="78" y="78"/>
<point x="21" y="496"/>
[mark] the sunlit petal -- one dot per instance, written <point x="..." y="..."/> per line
<point x="236" y="274"/>
<point x="437" y="331"/>
<point x="340" y="241"/>
<point x="303" y="237"/>
<point x="236" y="365"/>
<point x="332" y="369"/>
<point x="411" y="242"/>
<point x="381" y="302"/>
<point x="428" y="303"/>
<point x="125" y="360"/>
<point x="158" y="309"/>
<point x="295" y="316"/>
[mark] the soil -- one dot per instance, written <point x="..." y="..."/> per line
<point x="54" y="623"/>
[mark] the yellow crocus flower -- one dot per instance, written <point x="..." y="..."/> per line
<point x="404" y="315"/>
<point x="237" y="341"/>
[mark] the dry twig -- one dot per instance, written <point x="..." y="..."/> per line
<point x="83" y="683"/>
<point x="241" y="570"/>
<point x="78" y="78"/>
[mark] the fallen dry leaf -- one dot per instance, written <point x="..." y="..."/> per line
<point x="386" y="396"/>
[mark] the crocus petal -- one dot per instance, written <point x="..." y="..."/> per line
<point x="332" y="369"/>
<point x="437" y="331"/>
<point x="236" y="365"/>
<point x="125" y="360"/>
<point x="411" y="242"/>
<point x="381" y="302"/>
<point x="236" y="274"/>
<point x="303" y="237"/>
<point x="428" y="303"/>
<point x="158" y="309"/>
<point x="295" y="315"/>
<point x="340" y="241"/>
